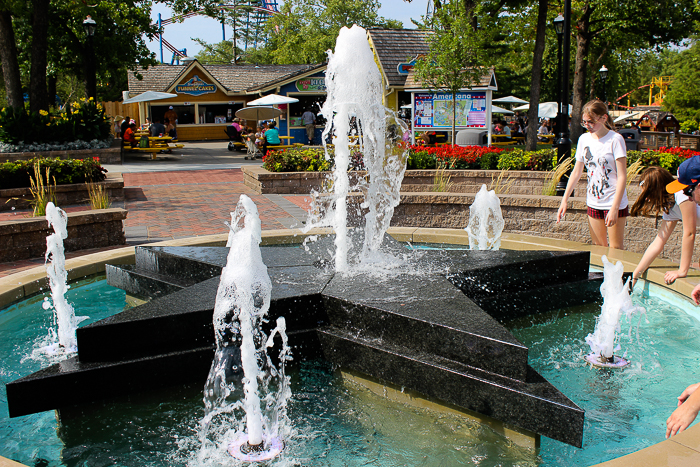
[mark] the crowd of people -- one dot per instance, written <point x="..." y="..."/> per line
<point x="266" y="134"/>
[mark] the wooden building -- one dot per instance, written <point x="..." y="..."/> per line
<point x="208" y="96"/>
<point x="658" y="121"/>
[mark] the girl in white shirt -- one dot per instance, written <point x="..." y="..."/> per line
<point x="603" y="153"/>
<point x="654" y="199"/>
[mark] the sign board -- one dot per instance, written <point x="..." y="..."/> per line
<point x="404" y="68"/>
<point x="434" y="110"/>
<point x="195" y="87"/>
<point x="311" y="85"/>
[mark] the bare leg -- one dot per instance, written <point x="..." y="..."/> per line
<point x="617" y="233"/>
<point x="599" y="233"/>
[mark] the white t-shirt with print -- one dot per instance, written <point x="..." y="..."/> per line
<point x="598" y="156"/>
<point x="674" y="214"/>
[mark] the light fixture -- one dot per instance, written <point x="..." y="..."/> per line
<point x="89" y="25"/>
<point x="603" y="73"/>
<point x="559" y="24"/>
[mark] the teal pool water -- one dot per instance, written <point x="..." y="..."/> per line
<point x="339" y="424"/>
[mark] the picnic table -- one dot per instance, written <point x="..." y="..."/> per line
<point x="156" y="144"/>
<point x="502" y="140"/>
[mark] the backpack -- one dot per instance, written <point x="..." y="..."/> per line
<point x="143" y="142"/>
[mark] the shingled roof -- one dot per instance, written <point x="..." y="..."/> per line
<point x="236" y="79"/>
<point x="487" y="79"/>
<point x="394" y="46"/>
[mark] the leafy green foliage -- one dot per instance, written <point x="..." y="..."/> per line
<point x="17" y="174"/>
<point x="84" y="120"/>
<point x="298" y="160"/>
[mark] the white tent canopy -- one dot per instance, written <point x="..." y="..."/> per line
<point x="628" y="116"/>
<point x="273" y="99"/>
<point x="499" y="110"/>
<point x="545" y="110"/>
<point x="510" y="100"/>
<point x="149" y="96"/>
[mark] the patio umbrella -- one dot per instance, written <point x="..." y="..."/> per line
<point x="628" y="116"/>
<point x="149" y="96"/>
<point x="546" y="109"/>
<point x="258" y="113"/>
<point x="510" y="100"/>
<point x="499" y="110"/>
<point x="273" y="99"/>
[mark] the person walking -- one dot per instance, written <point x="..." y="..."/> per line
<point x="603" y="153"/>
<point x="309" y="120"/>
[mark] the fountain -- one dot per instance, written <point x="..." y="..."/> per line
<point x="354" y="90"/>
<point x="62" y="341"/>
<point x="242" y="302"/>
<point x="485" y="221"/>
<point x="616" y="302"/>
<point x="433" y="327"/>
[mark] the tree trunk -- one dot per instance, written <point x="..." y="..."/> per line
<point x="532" y="119"/>
<point x="583" y="42"/>
<point x="10" y="66"/>
<point x="52" y="82"/>
<point x="38" y="95"/>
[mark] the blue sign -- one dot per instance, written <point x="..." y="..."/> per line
<point x="195" y="87"/>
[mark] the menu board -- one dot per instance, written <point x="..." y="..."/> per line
<point x="435" y="110"/>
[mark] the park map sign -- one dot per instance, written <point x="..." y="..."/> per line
<point x="434" y="110"/>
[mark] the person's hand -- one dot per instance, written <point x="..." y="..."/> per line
<point x="695" y="294"/>
<point x="687" y="392"/>
<point x="561" y="212"/>
<point x="611" y="218"/>
<point x="671" y="276"/>
<point x="683" y="416"/>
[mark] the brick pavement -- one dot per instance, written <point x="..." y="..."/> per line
<point x="167" y="205"/>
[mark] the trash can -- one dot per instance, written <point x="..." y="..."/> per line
<point x="631" y="138"/>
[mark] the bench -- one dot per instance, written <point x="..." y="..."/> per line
<point x="503" y="143"/>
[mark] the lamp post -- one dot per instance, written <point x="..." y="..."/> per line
<point x="89" y="25"/>
<point x="604" y="77"/>
<point x="562" y="24"/>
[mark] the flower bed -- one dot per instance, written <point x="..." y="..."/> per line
<point x="462" y="158"/>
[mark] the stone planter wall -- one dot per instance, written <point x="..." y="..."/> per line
<point x="521" y="182"/>
<point x="66" y="195"/>
<point x="111" y="155"/>
<point x="26" y="238"/>
<point x="530" y="215"/>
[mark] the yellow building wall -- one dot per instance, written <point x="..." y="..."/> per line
<point x="201" y="132"/>
<point x="389" y="100"/>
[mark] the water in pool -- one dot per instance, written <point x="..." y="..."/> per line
<point x="337" y="423"/>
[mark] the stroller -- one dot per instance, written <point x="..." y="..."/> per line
<point x="234" y="136"/>
<point x="253" y="150"/>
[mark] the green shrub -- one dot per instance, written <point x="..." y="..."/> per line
<point x="298" y="160"/>
<point x="64" y="171"/>
<point x="421" y="160"/>
<point x="84" y="120"/>
<point x="516" y="159"/>
<point x="489" y="161"/>
<point x="542" y="160"/>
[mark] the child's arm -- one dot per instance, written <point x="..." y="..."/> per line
<point x="688" y="407"/>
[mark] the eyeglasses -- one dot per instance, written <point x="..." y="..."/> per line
<point x="588" y="123"/>
<point x="688" y="191"/>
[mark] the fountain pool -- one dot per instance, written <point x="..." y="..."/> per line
<point x="338" y="423"/>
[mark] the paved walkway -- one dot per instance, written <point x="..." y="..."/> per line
<point x="185" y="196"/>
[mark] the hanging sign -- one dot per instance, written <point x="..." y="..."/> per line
<point x="311" y="85"/>
<point x="195" y="87"/>
<point x="434" y="110"/>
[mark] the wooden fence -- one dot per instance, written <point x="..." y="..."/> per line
<point x="655" y="140"/>
<point x="119" y="111"/>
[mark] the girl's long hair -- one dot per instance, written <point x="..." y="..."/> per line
<point x="599" y="109"/>
<point x="653" y="198"/>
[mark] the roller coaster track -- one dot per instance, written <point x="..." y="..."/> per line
<point x="268" y="8"/>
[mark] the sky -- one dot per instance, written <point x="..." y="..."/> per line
<point x="180" y="34"/>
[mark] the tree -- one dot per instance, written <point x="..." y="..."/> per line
<point x="456" y="58"/>
<point x="682" y="97"/>
<point x="306" y="29"/>
<point x="533" y="111"/>
<point x="645" y="24"/>
<point x="119" y="40"/>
